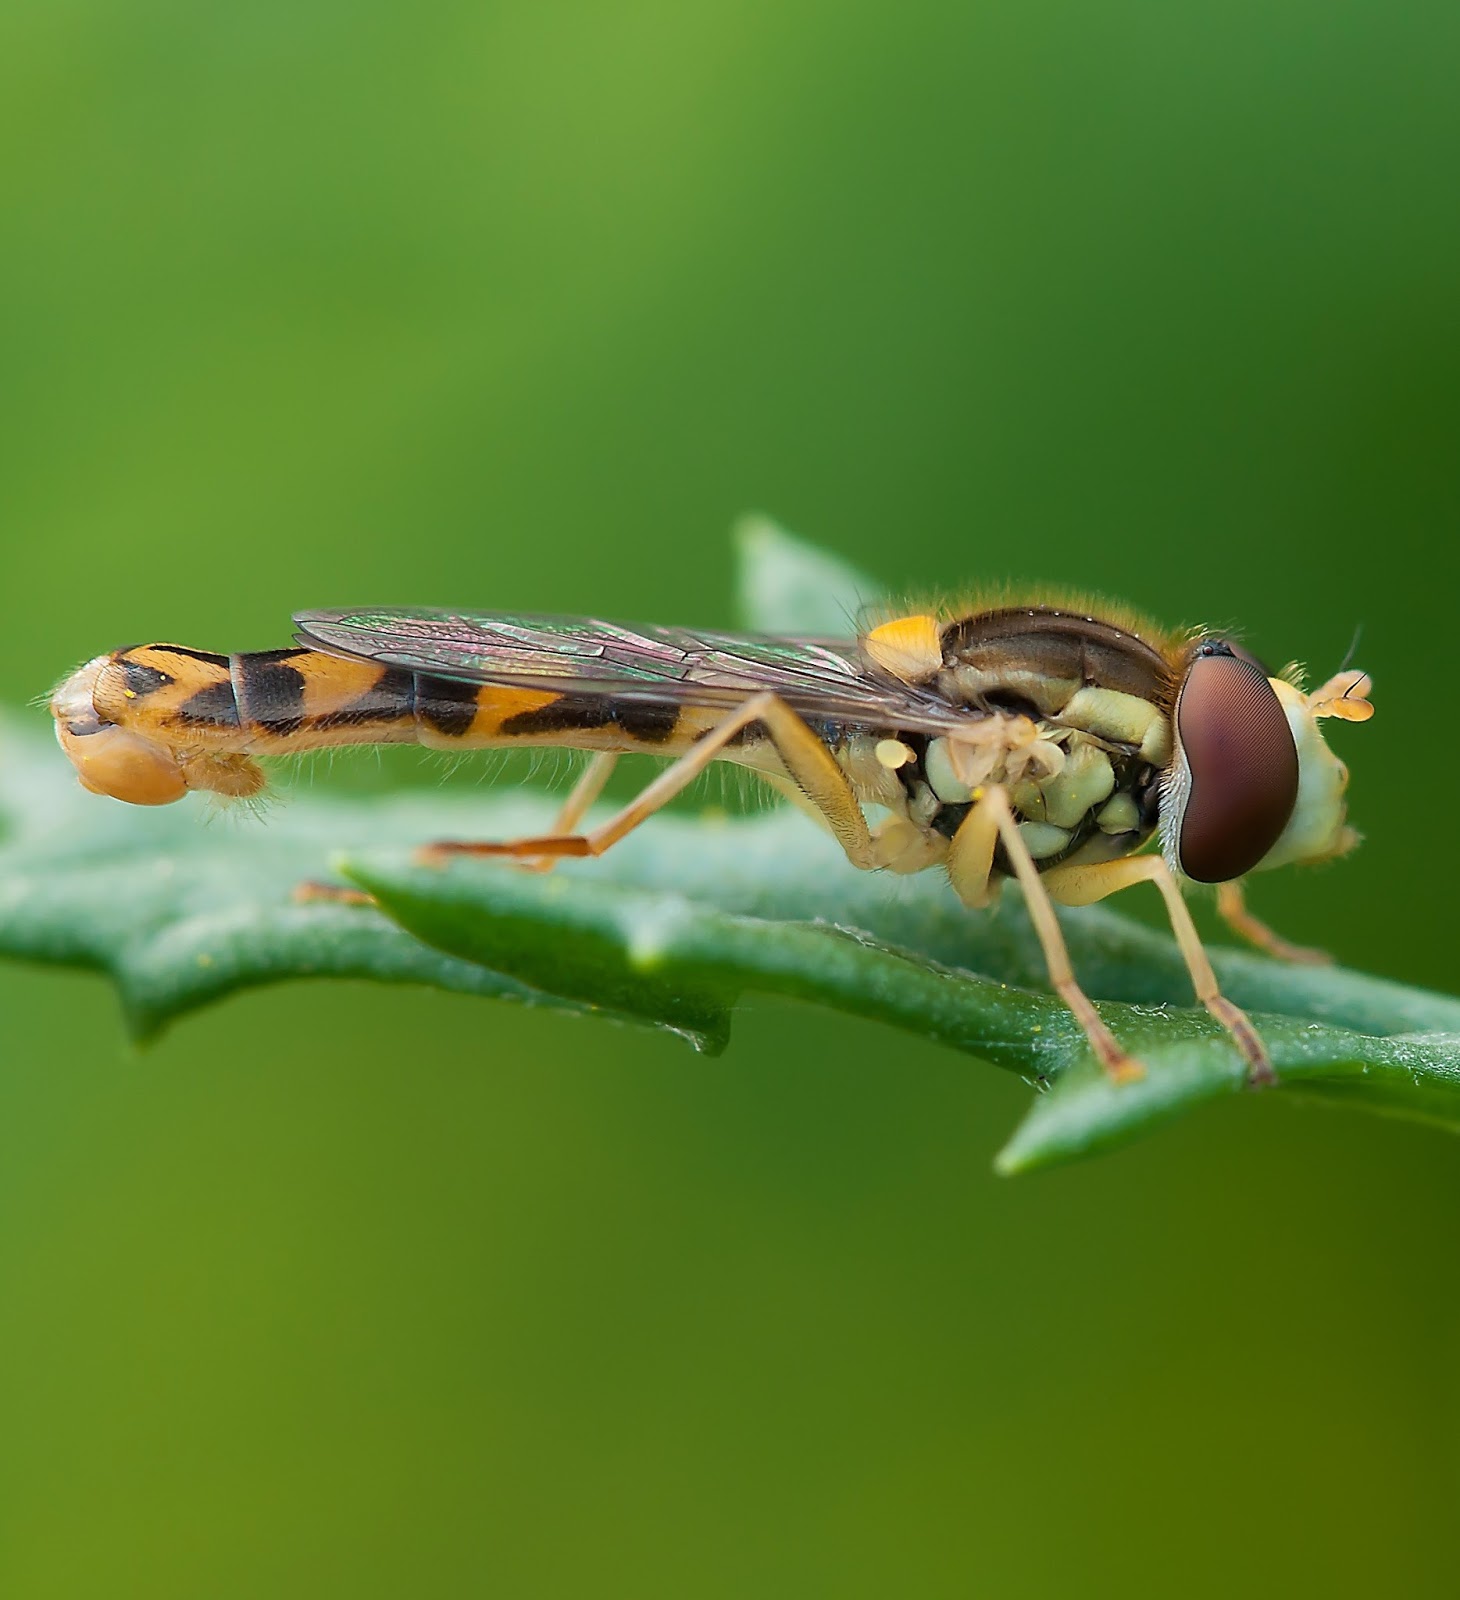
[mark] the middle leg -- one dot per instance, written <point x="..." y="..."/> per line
<point x="970" y="863"/>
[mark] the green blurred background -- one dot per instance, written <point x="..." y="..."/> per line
<point x="345" y="1291"/>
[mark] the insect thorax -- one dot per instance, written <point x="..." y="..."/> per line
<point x="1070" y="714"/>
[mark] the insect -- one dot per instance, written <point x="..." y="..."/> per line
<point x="1043" y="742"/>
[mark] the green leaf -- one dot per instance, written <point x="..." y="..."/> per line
<point x="182" y="905"/>
<point x="683" y="958"/>
<point x="187" y="904"/>
<point x="789" y="586"/>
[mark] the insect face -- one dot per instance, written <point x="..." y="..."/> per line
<point x="1252" y="784"/>
<point x="1318" y="829"/>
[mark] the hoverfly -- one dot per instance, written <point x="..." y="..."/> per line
<point x="1043" y="742"/>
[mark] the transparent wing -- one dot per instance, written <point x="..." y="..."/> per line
<point x="827" y="678"/>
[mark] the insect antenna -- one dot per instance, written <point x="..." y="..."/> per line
<point x="1351" y="653"/>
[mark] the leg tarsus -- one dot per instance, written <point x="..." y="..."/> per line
<point x="577" y="805"/>
<point x="312" y="893"/>
<point x="1232" y="908"/>
<point x="520" y="851"/>
<point x="1234" y="1019"/>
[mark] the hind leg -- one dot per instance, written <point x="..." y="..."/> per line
<point x="805" y="757"/>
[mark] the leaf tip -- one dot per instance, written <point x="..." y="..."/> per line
<point x="1020" y="1154"/>
<point x="752" y="531"/>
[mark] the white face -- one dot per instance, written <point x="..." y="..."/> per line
<point x="1317" y="830"/>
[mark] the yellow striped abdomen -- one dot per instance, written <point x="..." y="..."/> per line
<point x="147" y="724"/>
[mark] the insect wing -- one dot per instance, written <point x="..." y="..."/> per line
<point x="825" y="678"/>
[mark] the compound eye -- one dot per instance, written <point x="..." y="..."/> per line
<point x="1241" y="763"/>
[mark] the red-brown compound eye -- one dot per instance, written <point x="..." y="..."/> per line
<point x="1242" y="764"/>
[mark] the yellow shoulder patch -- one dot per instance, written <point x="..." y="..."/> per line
<point x="910" y="648"/>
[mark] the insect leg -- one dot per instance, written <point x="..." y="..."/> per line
<point x="805" y="757"/>
<point x="579" y="802"/>
<point x="1082" y="886"/>
<point x="1232" y="908"/>
<point x="584" y="792"/>
<point x="970" y="862"/>
<point x="313" y="893"/>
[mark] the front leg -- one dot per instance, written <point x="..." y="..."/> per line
<point x="1082" y="886"/>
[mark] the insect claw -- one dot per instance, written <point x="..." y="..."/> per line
<point x="1260" y="1074"/>
<point x="1122" y="1069"/>
<point x="1300" y="955"/>
<point x="435" y="855"/>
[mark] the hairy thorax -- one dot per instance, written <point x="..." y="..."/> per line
<point x="1070" y="714"/>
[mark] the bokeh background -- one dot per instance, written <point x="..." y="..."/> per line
<point x="344" y="1291"/>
